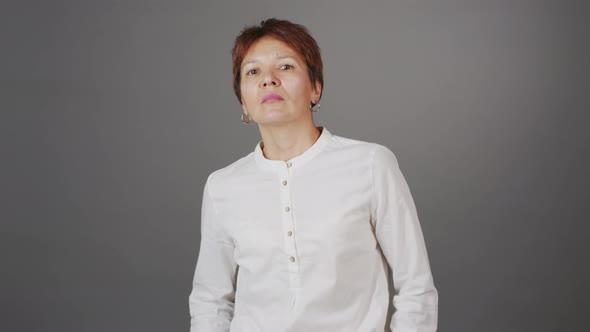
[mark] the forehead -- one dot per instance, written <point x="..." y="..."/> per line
<point x="269" y="48"/>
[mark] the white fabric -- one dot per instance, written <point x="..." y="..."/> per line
<point x="350" y="214"/>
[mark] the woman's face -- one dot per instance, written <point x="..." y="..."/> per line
<point x="275" y="85"/>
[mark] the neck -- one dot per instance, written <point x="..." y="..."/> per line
<point x="284" y="143"/>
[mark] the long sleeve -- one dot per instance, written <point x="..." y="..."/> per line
<point x="211" y="301"/>
<point x="400" y="237"/>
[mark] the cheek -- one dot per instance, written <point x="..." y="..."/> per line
<point x="248" y="92"/>
<point x="301" y="88"/>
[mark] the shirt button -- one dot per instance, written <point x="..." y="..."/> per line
<point x="284" y="183"/>
<point x="292" y="259"/>
<point x="289" y="233"/>
<point x="289" y="164"/>
<point x="287" y="209"/>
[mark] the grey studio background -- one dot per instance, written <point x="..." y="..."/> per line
<point x="113" y="113"/>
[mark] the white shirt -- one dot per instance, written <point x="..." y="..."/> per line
<point x="305" y="245"/>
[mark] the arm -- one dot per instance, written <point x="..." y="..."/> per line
<point x="211" y="301"/>
<point x="399" y="234"/>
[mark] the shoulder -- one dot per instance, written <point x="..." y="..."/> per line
<point x="375" y="152"/>
<point x="229" y="174"/>
<point x="383" y="156"/>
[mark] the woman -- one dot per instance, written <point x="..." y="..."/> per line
<point x="299" y="234"/>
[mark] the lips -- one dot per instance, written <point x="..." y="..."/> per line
<point x="271" y="98"/>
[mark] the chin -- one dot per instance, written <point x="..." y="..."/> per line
<point x="271" y="122"/>
<point x="272" y="117"/>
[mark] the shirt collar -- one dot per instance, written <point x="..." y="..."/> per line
<point x="299" y="160"/>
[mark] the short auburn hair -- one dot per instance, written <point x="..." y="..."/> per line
<point x="296" y="36"/>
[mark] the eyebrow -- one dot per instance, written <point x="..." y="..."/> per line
<point x="280" y="57"/>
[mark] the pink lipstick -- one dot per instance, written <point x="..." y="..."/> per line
<point x="271" y="98"/>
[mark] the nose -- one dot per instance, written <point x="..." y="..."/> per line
<point x="270" y="80"/>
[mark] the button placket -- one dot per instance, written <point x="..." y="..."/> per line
<point x="291" y="259"/>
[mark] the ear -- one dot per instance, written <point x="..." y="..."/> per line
<point x="316" y="92"/>
<point x="244" y="107"/>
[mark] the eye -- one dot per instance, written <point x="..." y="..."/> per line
<point x="252" y="72"/>
<point x="286" y="66"/>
